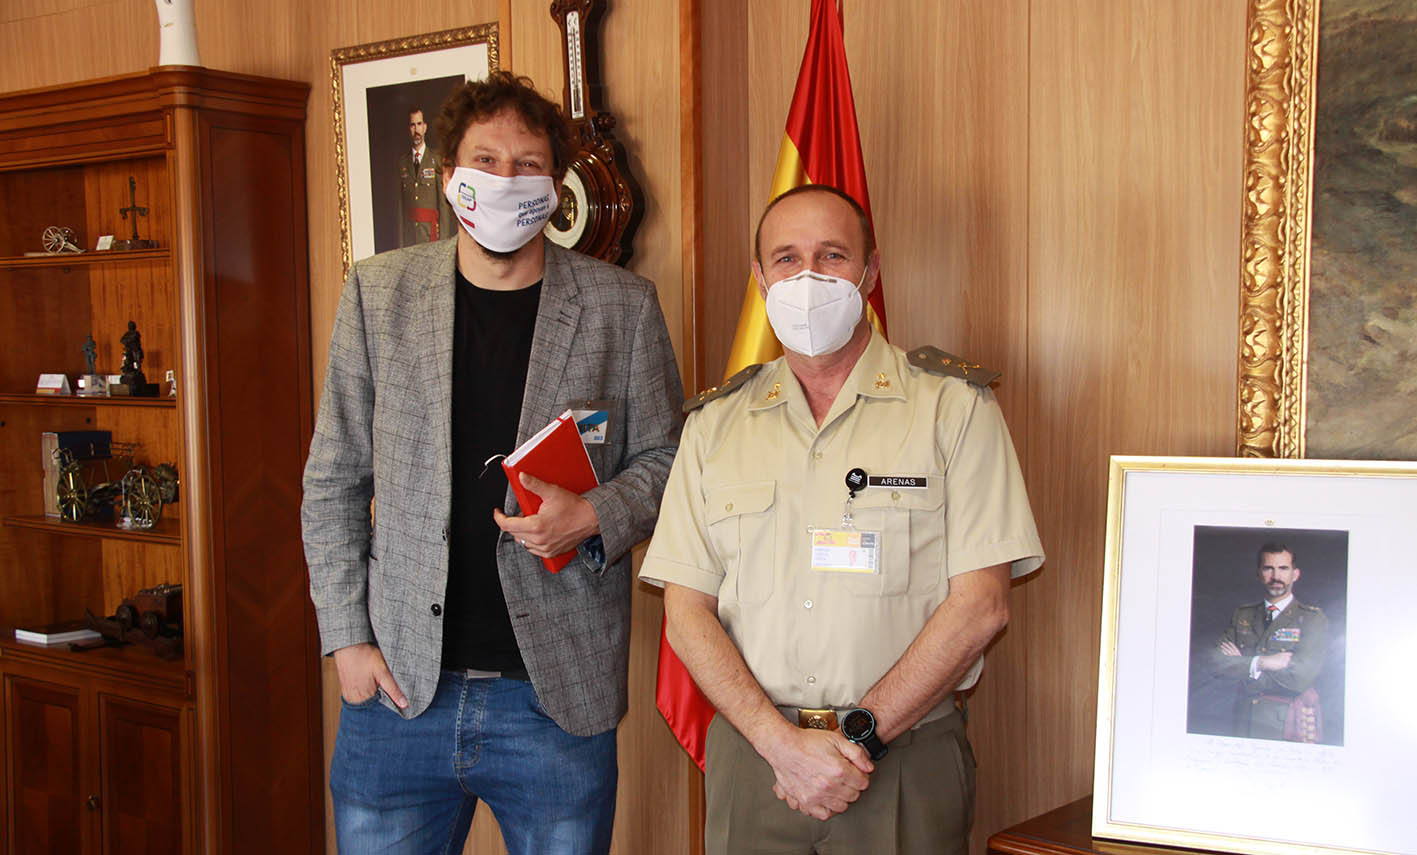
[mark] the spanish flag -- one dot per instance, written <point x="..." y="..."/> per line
<point x="821" y="145"/>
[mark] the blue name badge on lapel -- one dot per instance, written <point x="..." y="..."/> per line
<point x="592" y="424"/>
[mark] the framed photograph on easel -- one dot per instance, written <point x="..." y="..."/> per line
<point x="1228" y="725"/>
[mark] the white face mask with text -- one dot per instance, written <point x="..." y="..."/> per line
<point x="500" y="213"/>
<point x="814" y="313"/>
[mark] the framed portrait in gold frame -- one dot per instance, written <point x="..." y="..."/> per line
<point x="1328" y="317"/>
<point x="1219" y="728"/>
<point x="387" y="96"/>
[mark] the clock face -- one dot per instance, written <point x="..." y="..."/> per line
<point x="568" y="224"/>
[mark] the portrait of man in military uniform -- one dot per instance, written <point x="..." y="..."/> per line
<point x="1268" y="663"/>
<point x="424" y="214"/>
<point x="405" y="163"/>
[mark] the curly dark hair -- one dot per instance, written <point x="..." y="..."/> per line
<point x="482" y="99"/>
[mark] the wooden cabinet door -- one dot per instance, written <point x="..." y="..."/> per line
<point x="140" y="747"/>
<point x="47" y="806"/>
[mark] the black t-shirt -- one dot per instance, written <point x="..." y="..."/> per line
<point x="492" y="332"/>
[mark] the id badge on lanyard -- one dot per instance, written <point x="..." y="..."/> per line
<point x="846" y="549"/>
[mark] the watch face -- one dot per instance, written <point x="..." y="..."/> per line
<point x="858" y="724"/>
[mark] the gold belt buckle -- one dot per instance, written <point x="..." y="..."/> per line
<point x="817" y="719"/>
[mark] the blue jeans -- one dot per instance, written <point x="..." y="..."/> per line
<point x="411" y="785"/>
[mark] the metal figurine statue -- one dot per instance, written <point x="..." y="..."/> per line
<point x="133" y="356"/>
<point x="90" y="353"/>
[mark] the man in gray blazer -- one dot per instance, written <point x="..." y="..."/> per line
<point x="467" y="670"/>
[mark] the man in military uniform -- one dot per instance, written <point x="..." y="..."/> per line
<point x="424" y="214"/>
<point x="1274" y="650"/>
<point x="836" y="542"/>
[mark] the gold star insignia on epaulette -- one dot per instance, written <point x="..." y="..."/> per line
<point x="936" y="361"/>
<point x="721" y="389"/>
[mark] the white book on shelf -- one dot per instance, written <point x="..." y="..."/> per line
<point x="66" y="632"/>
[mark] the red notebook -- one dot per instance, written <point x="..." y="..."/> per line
<point x="554" y="454"/>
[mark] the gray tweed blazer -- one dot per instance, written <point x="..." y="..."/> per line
<point x="384" y="430"/>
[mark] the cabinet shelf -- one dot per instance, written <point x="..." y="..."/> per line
<point x="78" y="259"/>
<point x="31" y="399"/>
<point x="132" y="664"/>
<point x="167" y="532"/>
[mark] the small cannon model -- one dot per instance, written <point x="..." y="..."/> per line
<point x="152" y="617"/>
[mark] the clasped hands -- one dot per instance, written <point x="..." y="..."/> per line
<point x="819" y="772"/>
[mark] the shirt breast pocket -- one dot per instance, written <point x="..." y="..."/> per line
<point x="912" y="527"/>
<point x="742" y="530"/>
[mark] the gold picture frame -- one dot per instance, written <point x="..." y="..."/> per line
<point x="1329" y="217"/>
<point x="415" y="72"/>
<point x="1279" y="135"/>
<point x="1182" y="759"/>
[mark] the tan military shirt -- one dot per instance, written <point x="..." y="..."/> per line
<point x="754" y="474"/>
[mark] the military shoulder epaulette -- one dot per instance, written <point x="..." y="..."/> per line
<point x="1308" y="608"/>
<point x="936" y="361"/>
<point x="721" y="389"/>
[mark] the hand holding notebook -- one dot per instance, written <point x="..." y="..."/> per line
<point x="555" y="455"/>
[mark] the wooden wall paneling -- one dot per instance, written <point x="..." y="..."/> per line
<point x="265" y="37"/>
<point x="44" y="42"/>
<point x="1073" y="116"/>
<point x="536" y="44"/>
<point x="777" y="33"/>
<point x="1134" y="158"/>
<point x="504" y="34"/>
<point x="691" y="191"/>
<point x="730" y="207"/>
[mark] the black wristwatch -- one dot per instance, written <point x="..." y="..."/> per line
<point x="859" y="726"/>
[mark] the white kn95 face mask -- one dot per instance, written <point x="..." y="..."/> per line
<point x="814" y="313"/>
<point x="501" y="213"/>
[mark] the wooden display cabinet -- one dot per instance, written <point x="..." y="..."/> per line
<point x="115" y="750"/>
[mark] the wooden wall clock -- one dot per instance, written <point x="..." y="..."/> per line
<point x="601" y="204"/>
